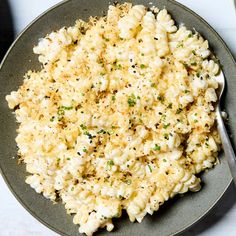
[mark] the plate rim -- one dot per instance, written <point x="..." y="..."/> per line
<point x="23" y="204"/>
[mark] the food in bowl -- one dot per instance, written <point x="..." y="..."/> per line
<point x="120" y="117"/>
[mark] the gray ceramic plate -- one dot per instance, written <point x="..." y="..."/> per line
<point x="174" y="216"/>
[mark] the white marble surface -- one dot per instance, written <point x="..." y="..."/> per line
<point x="16" y="221"/>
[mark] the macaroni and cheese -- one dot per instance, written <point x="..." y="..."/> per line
<point x="121" y="115"/>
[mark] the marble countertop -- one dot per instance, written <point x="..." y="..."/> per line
<point x="16" y="221"/>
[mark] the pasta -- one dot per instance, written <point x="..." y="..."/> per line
<point x="121" y="115"/>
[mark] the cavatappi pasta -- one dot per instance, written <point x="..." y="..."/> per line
<point x="120" y="116"/>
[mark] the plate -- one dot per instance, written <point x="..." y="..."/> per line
<point x="177" y="214"/>
<point x="6" y="29"/>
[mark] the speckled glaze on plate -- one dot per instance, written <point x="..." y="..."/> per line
<point x="175" y="215"/>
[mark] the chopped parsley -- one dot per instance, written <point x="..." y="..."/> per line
<point x="179" y="110"/>
<point x="186" y="65"/>
<point x="60" y="112"/>
<point x="163" y="117"/>
<point x="117" y="66"/>
<point x="110" y="163"/>
<point x="90" y="136"/>
<point x="131" y="100"/>
<point x="150" y="168"/>
<point x="166" y="136"/>
<point x="121" y="197"/>
<point x="157" y="147"/>
<point x="128" y="181"/>
<point x="142" y="66"/>
<point x="102" y="131"/>
<point x="170" y="106"/>
<point x="66" y="108"/>
<point x="85" y="150"/>
<point x="113" y="98"/>
<point x="193" y="63"/>
<point x="140" y="120"/>
<point x="83" y="127"/>
<point x="160" y="98"/>
<point x="153" y="85"/>
<point x="166" y="126"/>
<point x="180" y="45"/>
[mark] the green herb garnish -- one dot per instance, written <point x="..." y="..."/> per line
<point x="179" y="110"/>
<point x="157" y="147"/>
<point x="186" y="65"/>
<point x="166" y="136"/>
<point x="102" y="131"/>
<point x="131" y="100"/>
<point x="193" y="63"/>
<point x="83" y="127"/>
<point x="160" y="98"/>
<point x="110" y="163"/>
<point x="66" y="108"/>
<point x="180" y="45"/>
<point x="150" y="168"/>
<point x="170" y="105"/>
<point x="60" y="112"/>
<point x="166" y="126"/>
